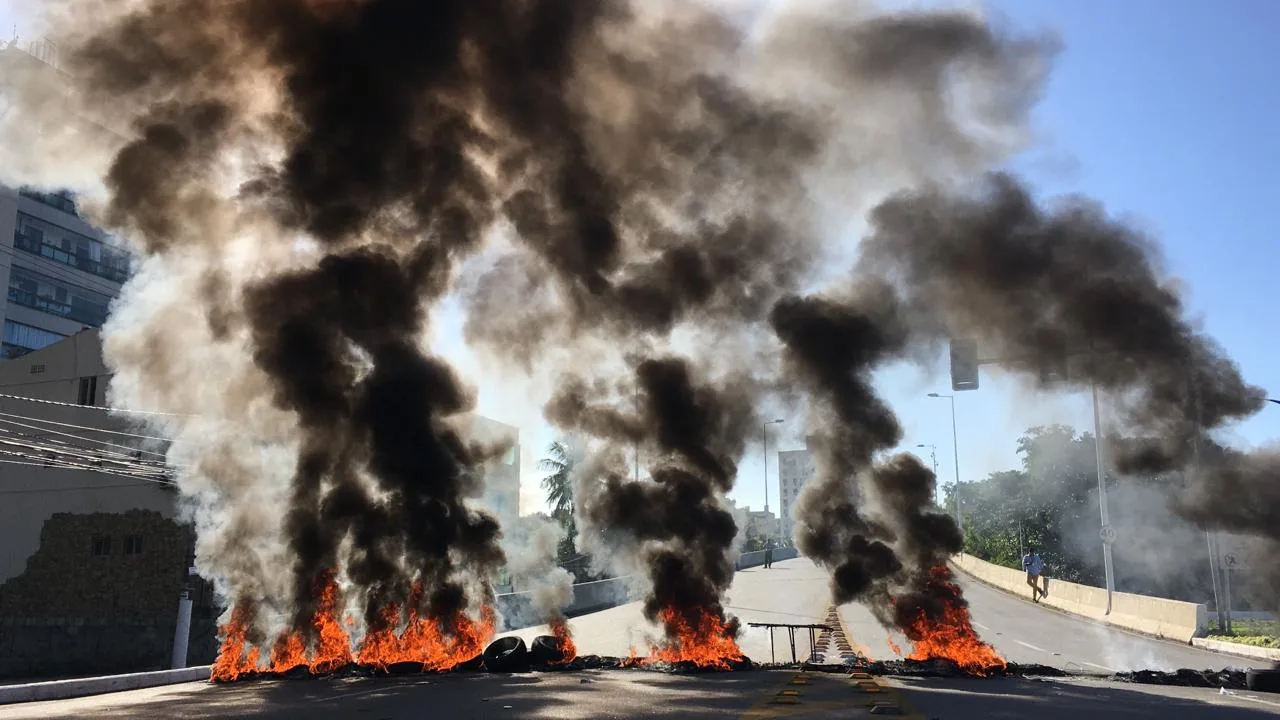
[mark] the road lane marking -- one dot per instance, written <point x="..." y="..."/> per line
<point x="1254" y="699"/>
<point x="1033" y="647"/>
<point x="980" y="625"/>
<point x="1103" y="667"/>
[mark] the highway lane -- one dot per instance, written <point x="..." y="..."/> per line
<point x="1026" y="632"/>
<point x="793" y="591"/>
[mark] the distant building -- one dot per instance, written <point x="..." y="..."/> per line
<point x="502" y="475"/>
<point x="762" y="524"/>
<point x="795" y="468"/>
<point x="61" y="272"/>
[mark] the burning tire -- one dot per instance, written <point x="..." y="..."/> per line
<point x="547" y="650"/>
<point x="508" y="654"/>
<point x="1263" y="680"/>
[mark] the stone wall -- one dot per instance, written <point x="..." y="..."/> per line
<point x="101" y="596"/>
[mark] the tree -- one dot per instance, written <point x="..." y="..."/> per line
<point x="558" y="485"/>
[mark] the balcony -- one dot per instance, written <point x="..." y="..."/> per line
<point x="80" y="262"/>
<point x="86" y="315"/>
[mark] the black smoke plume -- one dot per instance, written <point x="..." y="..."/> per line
<point x="651" y="173"/>
<point x="382" y="108"/>
<point x="871" y="524"/>
<point x="676" y="519"/>
<point x="1071" y="287"/>
<point x="1036" y="288"/>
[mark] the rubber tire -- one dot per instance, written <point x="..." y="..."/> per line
<point x="545" y="650"/>
<point x="506" y="655"/>
<point x="1263" y="680"/>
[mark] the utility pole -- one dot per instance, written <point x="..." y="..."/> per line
<point x="955" y="449"/>
<point x="182" y="629"/>
<point x="1107" y="533"/>
<point x="933" y="456"/>
<point x="764" y="432"/>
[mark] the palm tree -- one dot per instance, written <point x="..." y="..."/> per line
<point x="559" y="466"/>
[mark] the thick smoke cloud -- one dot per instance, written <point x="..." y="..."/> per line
<point x="676" y="523"/>
<point x="870" y="523"/>
<point x="313" y="177"/>
<point x="1033" y="286"/>
<point x="1070" y="290"/>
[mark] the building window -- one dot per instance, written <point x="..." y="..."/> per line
<point x="37" y="368"/>
<point x="61" y="199"/>
<point x="20" y="339"/>
<point x="71" y="248"/>
<point x="57" y="297"/>
<point x="101" y="545"/>
<point x="88" y="391"/>
<point x="132" y="544"/>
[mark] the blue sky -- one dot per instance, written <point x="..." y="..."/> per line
<point x="1166" y="111"/>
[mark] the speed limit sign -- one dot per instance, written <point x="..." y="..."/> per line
<point x="1108" y="534"/>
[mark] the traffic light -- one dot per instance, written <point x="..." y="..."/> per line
<point x="1051" y="346"/>
<point x="964" y="365"/>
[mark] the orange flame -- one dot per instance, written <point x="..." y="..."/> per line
<point x="424" y="641"/>
<point x="706" y="642"/>
<point x="893" y="646"/>
<point x="952" y="636"/>
<point x="235" y="658"/>
<point x="436" y="645"/>
<point x="569" y="650"/>
<point x="333" y="646"/>
<point x="288" y="652"/>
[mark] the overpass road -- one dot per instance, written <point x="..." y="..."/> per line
<point x="793" y="591"/>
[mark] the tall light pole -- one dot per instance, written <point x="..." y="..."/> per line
<point x="1108" y="532"/>
<point x="764" y="433"/>
<point x="933" y="455"/>
<point x="955" y="448"/>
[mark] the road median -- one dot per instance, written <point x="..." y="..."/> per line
<point x="1160" y="617"/>
<point x="1234" y="648"/>
<point x="64" y="689"/>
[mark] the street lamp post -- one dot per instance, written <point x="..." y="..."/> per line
<point x="933" y="455"/>
<point x="1108" y="533"/>
<point x="955" y="448"/>
<point x="764" y="432"/>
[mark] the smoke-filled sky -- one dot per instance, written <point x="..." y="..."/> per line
<point x="1165" y="117"/>
<point x="1164" y="112"/>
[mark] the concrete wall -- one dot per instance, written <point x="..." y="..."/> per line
<point x="75" y="611"/>
<point x="517" y="609"/>
<point x="1171" y="619"/>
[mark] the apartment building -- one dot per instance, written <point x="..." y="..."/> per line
<point x="795" y="468"/>
<point x="61" y="272"/>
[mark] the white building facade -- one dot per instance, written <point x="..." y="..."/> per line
<point x="61" y="272"/>
<point x="795" y="468"/>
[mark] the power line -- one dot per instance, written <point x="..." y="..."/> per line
<point x="85" y="427"/>
<point x="99" y="408"/>
<point x="54" y="463"/>
<point x="131" y="450"/>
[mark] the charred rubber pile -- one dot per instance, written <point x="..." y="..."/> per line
<point x="508" y="655"/>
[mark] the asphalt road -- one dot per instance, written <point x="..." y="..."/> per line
<point x="793" y="591"/>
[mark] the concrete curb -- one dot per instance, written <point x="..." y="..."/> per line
<point x="64" y="689"/>
<point x="1064" y="611"/>
<point x="1230" y="648"/>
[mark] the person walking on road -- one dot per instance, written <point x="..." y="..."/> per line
<point x="1032" y="563"/>
<point x="768" y="553"/>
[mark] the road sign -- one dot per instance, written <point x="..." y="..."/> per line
<point x="1234" y="551"/>
<point x="1108" y="534"/>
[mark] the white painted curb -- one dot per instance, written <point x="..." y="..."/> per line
<point x="1249" y="651"/>
<point x="63" y="689"/>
